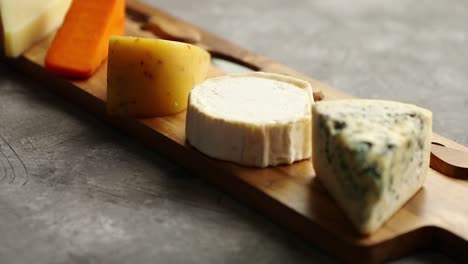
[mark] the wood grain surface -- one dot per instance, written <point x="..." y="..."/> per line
<point x="436" y="217"/>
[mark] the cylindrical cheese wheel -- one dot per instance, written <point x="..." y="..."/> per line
<point x="256" y="119"/>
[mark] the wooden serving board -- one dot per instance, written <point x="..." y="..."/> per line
<point x="436" y="217"/>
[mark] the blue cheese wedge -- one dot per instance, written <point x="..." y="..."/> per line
<point x="256" y="119"/>
<point x="372" y="156"/>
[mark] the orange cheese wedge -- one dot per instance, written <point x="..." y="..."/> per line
<point x="81" y="44"/>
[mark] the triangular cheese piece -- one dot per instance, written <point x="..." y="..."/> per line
<point x="24" y="22"/>
<point x="371" y="155"/>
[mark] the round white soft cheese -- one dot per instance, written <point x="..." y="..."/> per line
<point x="256" y="119"/>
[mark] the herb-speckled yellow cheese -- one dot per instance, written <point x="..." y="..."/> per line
<point x="371" y="155"/>
<point x="152" y="77"/>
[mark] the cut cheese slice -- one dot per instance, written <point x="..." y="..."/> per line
<point x="24" y="22"/>
<point x="255" y="119"/>
<point x="371" y="155"/>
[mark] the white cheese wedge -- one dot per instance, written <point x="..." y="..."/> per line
<point x="371" y="155"/>
<point x="257" y="119"/>
<point x="24" y="22"/>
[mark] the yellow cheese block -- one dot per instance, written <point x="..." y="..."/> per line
<point x="26" y="21"/>
<point x="152" y="77"/>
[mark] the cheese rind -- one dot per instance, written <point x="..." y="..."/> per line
<point x="25" y="22"/>
<point x="255" y="119"/>
<point x="371" y="155"/>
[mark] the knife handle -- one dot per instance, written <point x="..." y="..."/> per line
<point x="449" y="161"/>
<point x="168" y="27"/>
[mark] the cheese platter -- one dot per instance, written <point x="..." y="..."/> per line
<point x="290" y="195"/>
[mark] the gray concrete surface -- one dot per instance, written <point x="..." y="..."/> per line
<point x="74" y="190"/>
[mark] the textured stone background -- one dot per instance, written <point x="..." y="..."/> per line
<point x="411" y="51"/>
<point x="94" y="195"/>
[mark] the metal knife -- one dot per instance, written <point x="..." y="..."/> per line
<point x="166" y="26"/>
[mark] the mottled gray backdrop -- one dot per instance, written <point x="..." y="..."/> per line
<point x="75" y="190"/>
